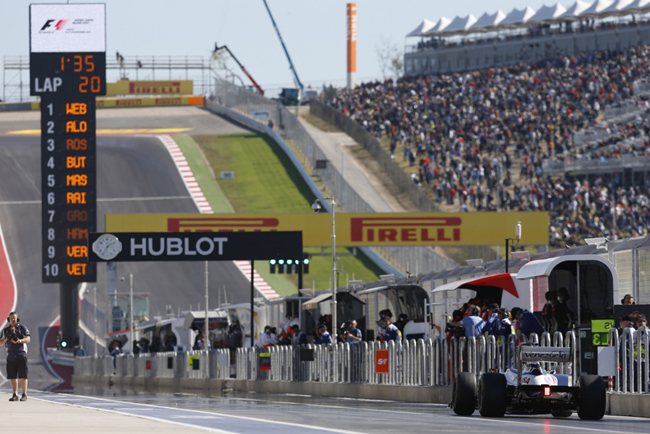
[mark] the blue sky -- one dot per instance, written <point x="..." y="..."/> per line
<point x="314" y="31"/>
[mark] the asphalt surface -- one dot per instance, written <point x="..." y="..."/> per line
<point x="135" y="174"/>
<point x="110" y="410"/>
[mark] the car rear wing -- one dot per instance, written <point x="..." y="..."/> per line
<point x="529" y="353"/>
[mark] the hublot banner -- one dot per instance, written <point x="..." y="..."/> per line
<point x="194" y="246"/>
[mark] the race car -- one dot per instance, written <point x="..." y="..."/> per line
<point x="530" y="389"/>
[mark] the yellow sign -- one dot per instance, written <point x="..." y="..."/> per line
<point x="150" y="87"/>
<point x="600" y="331"/>
<point x="356" y="230"/>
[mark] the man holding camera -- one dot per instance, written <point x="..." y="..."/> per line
<point x="15" y="337"/>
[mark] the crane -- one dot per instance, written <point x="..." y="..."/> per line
<point x="257" y="87"/>
<point x="286" y="93"/>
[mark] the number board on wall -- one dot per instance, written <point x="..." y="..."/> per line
<point x="67" y="72"/>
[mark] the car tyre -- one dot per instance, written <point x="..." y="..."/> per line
<point x="492" y="395"/>
<point x="592" y="397"/>
<point x="561" y="413"/>
<point x="464" y="394"/>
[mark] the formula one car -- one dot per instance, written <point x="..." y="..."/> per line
<point x="529" y="389"/>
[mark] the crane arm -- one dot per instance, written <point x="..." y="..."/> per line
<point x="244" y="70"/>
<point x="284" y="47"/>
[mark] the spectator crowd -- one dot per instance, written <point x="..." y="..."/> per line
<point x="478" y="140"/>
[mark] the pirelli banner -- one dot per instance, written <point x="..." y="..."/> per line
<point x="150" y="87"/>
<point x="355" y="230"/>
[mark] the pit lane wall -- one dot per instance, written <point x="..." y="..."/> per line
<point x="619" y="404"/>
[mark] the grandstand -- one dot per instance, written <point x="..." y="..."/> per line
<point x="568" y="135"/>
<point x="526" y="35"/>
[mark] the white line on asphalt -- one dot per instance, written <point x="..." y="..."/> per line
<point x="553" y="425"/>
<point x="247" y="418"/>
<point x="155" y="419"/>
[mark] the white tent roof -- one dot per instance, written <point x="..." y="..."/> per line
<point x="424" y="27"/>
<point x="577" y="9"/>
<point x="548" y="12"/>
<point x="490" y="20"/>
<point x="617" y="6"/>
<point x="460" y="24"/>
<point x="440" y="25"/>
<point x="598" y="6"/>
<point x="518" y="16"/>
<point x="638" y="5"/>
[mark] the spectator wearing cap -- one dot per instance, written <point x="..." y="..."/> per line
<point x="324" y="337"/>
<point x="525" y="323"/>
<point x="390" y="331"/>
<point x="491" y="317"/>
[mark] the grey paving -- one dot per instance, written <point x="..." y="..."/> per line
<point x="141" y="412"/>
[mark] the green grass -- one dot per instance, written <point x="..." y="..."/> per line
<point x="204" y="174"/>
<point x="265" y="181"/>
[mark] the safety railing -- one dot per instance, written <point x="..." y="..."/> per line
<point x="632" y="360"/>
<point x="220" y="364"/>
<point x="431" y="362"/>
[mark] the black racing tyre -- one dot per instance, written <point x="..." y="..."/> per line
<point x="561" y="413"/>
<point x="592" y="397"/>
<point x="464" y="395"/>
<point x="492" y="395"/>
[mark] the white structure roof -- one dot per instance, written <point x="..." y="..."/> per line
<point x="598" y="6"/>
<point x="577" y="9"/>
<point x="518" y="16"/>
<point x="490" y="20"/>
<point x="546" y="13"/>
<point x="617" y="7"/>
<point x="440" y="25"/>
<point x="544" y="267"/>
<point x="422" y="28"/>
<point x="460" y="24"/>
<point x="638" y="5"/>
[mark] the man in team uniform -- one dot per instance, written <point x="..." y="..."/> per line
<point x="15" y="338"/>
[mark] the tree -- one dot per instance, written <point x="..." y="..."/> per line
<point x="390" y="57"/>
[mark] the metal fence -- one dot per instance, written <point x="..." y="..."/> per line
<point x="632" y="360"/>
<point x="419" y="362"/>
<point x="260" y="109"/>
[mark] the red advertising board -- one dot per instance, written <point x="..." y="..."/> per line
<point x="381" y="361"/>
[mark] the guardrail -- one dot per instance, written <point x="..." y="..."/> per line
<point x="419" y="362"/>
<point x="632" y="360"/>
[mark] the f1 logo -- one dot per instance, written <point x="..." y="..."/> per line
<point x="59" y="24"/>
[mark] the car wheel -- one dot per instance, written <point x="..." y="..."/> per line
<point x="561" y="413"/>
<point x="592" y="397"/>
<point x="464" y="395"/>
<point x="492" y="395"/>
